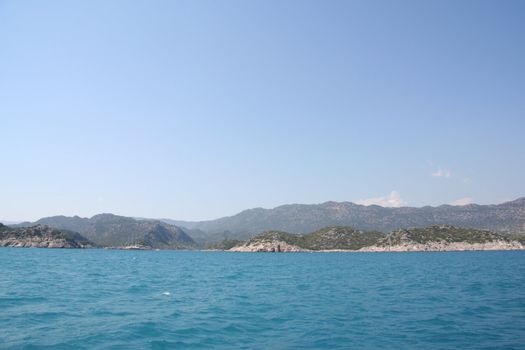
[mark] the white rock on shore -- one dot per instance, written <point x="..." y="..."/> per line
<point x="444" y="246"/>
<point x="270" y="247"/>
<point x="38" y="242"/>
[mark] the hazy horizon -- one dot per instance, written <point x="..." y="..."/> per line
<point x="199" y="110"/>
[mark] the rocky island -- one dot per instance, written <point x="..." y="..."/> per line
<point x="120" y="232"/>
<point x="348" y="227"/>
<point x="272" y="241"/>
<point x="444" y="238"/>
<point x="327" y="239"/>
<point x="434" y="238"/>
<point x="41" y="236"/>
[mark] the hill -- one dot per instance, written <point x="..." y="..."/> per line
<point x="344" y="238"/>
<point x="444" y="238"/>
<point x="434" y="238"/>
<point x="119" y="231"/>
<point x="329" y="238"/>
<point x="272" y="241"/>
<point x="40" y="236"/>
<point x="507" y="217"/>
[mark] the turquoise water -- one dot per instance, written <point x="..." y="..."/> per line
<point x="107" y="299"/>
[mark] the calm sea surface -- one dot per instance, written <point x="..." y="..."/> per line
<point x="108" y="299"/>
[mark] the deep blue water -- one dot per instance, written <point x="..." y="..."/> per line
<point x="108" y="299"/>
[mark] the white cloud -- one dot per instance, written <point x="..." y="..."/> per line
<point x="444" y="173"/>
<point x="391" y="200"/>
<point x="462" y="201"/>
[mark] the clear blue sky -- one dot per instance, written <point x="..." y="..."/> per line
<point x="200" y="109"/>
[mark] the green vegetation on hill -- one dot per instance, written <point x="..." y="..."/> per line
<point x="441" y="233"/>
<point x="340" y="238"/>
<point x="327" y="238"/>
<point x="118" y="231"/>
<point x="225" y="244"/>
<point x="519" y="237"/>
<point x="347" y="238"/>
<point x="41" y="236"/>
<point x="271" y="236"/>
<point x="506" y="217"/>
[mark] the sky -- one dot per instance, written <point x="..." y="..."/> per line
<point x="200" y="109"/>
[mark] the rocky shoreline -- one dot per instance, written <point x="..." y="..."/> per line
<point x="332" y="239"/>
<point x="269" y="247"/>
<point x="41" y="236"/>
<point x="38" y="243"/>
<point x="282" y="247"/>
<point x="340" y="239"/>
<point x="447" y="247"/>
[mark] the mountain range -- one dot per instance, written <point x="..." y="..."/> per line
<point x="110" y="230"/>
<point x="113" y="230"/>
<point x="508" y="217"/>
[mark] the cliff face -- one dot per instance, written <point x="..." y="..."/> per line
<point x="40" y="236"/>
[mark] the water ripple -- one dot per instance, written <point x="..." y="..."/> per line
<point x="100" y="299"/>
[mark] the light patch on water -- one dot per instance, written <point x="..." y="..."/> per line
<point x="166" y="293"/>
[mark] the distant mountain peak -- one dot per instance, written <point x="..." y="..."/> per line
<point x="120" y="231"/>
<point x="520" y="201"/>
<point x="302" y="218"/>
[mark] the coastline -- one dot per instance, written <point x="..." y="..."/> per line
<point x="277" y="247"/>
<point x="284" y="247"/>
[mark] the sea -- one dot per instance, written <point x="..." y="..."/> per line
<point x="115" y="299"/>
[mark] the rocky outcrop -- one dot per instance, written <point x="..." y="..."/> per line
<point x="346" y="239"/>
<point x="268" y="247"/>
<point x="446" y="247"/>
<point x="271" y="242"/>
<point x="326" y="239"/>
<point x="443" y="238"/>
<point x="41" y="236"/>
<point x="110" y="230"/>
